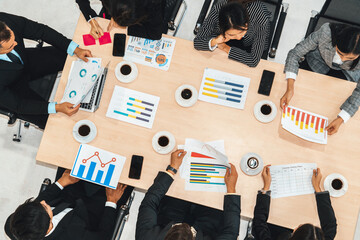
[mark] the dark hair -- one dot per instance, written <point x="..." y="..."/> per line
<point x="127" y="12"/>
<point x="179" y="232"/>
<point x="233" y="15"/>
<point x="347" y="39"/>
<point x="30" y="221"/>
<point x="308" y="232"/>
<point x="5" y="33"/>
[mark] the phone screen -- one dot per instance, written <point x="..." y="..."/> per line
<point x="136" y="166"/>
<point x="119" y="44"/>
<point x="266" y="82"/>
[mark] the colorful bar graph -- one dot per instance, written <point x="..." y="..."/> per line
<point x="307" y="121"/>
<point x="322" y="125"/>
<point x="312" y="121"/>
<point x="224" y="82"/>
<point x="302" y="121"/>
<point x="141" y="101"/>
<point x="132" y="116"/>
<point x="138" y="112"/>
<point x="91" y="170"/>
<point x="220" y="97"/>
<point x="223" y="87"/>
<point x="292" y="115"/>
<point x="317" y="125"/>
<point x="141" y="107"/>
<point x="297" y="117"/>
<point x="109" y="174"/>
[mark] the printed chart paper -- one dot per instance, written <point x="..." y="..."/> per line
<point x="204" y="167"/>
<point x="224" y="88"/>
<point x="133" y="107"/>
<point x="81" y="80"/>
<point x="291" y="180"/>
<point x="98" y="166"/>
<point x="304" y="124"/>
<point x="153" y="53"/>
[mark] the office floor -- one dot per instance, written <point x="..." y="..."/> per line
<point x="21" y="176"/>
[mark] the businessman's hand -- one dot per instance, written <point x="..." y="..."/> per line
<point x="334" y="126"/>
<point x="66" y="179"/>
<point x="224" y="47"/>
<point x="177" y="158"/>
<point x="266" y="177"/>
<point x="285" y="100"/>
<point x="83" y="54"/>
<point x="316" y="179"/>
<point x="67" y="108"/>
<point x="231" y="177"/>
<point x="114" y="195"/>
<point x="96" y="30"/>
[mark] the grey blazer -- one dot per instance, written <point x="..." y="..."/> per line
<point x="319" y="53"/>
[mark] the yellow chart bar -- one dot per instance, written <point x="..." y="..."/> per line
<point x="137" y="100"/>
<point x="209" y="84"/>
<point x="138" y="106"/>
<point x="209" y="89"/>
<point x="206" y="176"/>
<point x="210" y="79"/>
<point x="301" y="125"/>
<point x="292" y="117"/>
<point x="210" y="95"/>
<point x="132" y="116"/>
<point x="199" y="181"/>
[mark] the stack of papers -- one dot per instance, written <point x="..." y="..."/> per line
<point x="204" y="166"/>
<point x="81" y="80"/>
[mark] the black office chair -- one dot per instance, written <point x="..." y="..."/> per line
<point x="278" y="11"/>
<point x="42" y="86"/>
<point x="122" y="214"/>
<point x="171" y="10"/>
<point x="335" y="11"/>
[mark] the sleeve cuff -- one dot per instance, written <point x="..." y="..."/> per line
<point x="344" y="115"/>
<point x="232" y="194"/>
<point x="111" y="204"/>
<point x="290" y="75"/>
<point x="71" y="48"/>
<point x="320" y="193"/>
<point x="59" y="185"/>
<point x="214" y="47"/>
<point x="265" y="192"/>
<point x="172" y="176"/>
<point x="51" y="107"/>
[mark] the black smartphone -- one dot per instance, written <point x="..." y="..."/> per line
<point x="266" y="82"/>
<point x="136" y="166"/>
<point x="119" y="45"/>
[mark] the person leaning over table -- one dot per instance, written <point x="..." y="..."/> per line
<point x="162" y="217"/>
<point x="20" y="65"/>
<point x="144" y="18"/>
<point x="238" y="27"/>
<point x="333" y="50"/>
<point x="306" y="231"/>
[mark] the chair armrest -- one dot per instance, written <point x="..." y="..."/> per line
<point x="171" y="23"/>
<point x="46" y="183"/>
<point x="312" y="23"/>
<point x="278" y="30"/>
<point x="202" y="16"/>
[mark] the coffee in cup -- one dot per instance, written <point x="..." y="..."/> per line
<point x="84" y="130"/>
<point x="252" y="163"/>
<point x="186" y="94"/>
<point x="265" y="109"/>
<point x="125" y="69"/>
<point x="337" y="184"/>
<point x="163" y="141"/>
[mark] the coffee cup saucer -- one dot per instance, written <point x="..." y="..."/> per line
<point x="246" y="169"/>
<point x="186" y="102"/>
<point x="262" y="117"/>
<point x="126" y="78"/>
<point x="88" y="138"/>
<point x="333" y="192"/>
<point x="163" y="150"/>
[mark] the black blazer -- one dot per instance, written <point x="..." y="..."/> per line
<point x="74" y="225"/>
<point x="325" y="212"/>
<point x="147" y="227"/>
<point x="15" y="76"/>
<point x="150" y="28"/>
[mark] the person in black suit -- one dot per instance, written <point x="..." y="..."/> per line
<point x="144" y="18"/>
<point x="162" y="217"/>
<point x="75" y="216"/>
<point x="19" y="66"/>
<point x="263" y="231"/>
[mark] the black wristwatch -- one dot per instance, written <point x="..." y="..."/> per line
<point x="171" y="169"/>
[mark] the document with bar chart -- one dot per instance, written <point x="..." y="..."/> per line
<point x="224" y="88"/>
<point x="304" y="124"/>
<point x="133" y="107"/>
<point x="98" y="166"/>
<point x="291" y="180"/>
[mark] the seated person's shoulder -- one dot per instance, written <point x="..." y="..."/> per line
<point x="259" y="11"/>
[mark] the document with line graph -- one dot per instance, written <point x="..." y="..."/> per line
<point x="224" y="88"/>
<point x="98" y="166"/>
<point x="133" y="107"/>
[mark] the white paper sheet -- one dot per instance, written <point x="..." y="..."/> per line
<point x="304" y="124"/>
<point x="133" y="107"/>
<point x="98" y="166"/>
<point x="291" y="180"/>
<point x="224" y="88"/>
<point x="81" y="80"/>
<point x="204" y="166"/>
<point x="153" y="53"/>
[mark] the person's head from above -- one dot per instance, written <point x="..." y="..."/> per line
<point x="307" y="232"/>
<point x="126" y="12"/>
<point x="180" y="231"/>
<point x="346" y="40"/>
<point x="233" y="20"/>
<point x="7" y="39"/>
<point x="31" y="220"/>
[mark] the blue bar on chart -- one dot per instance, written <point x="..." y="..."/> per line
<point x="91" y="171"/>
<point x="81" y="171"/>
<point x="109" y="174"/>
<point x="99" y="176"/>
